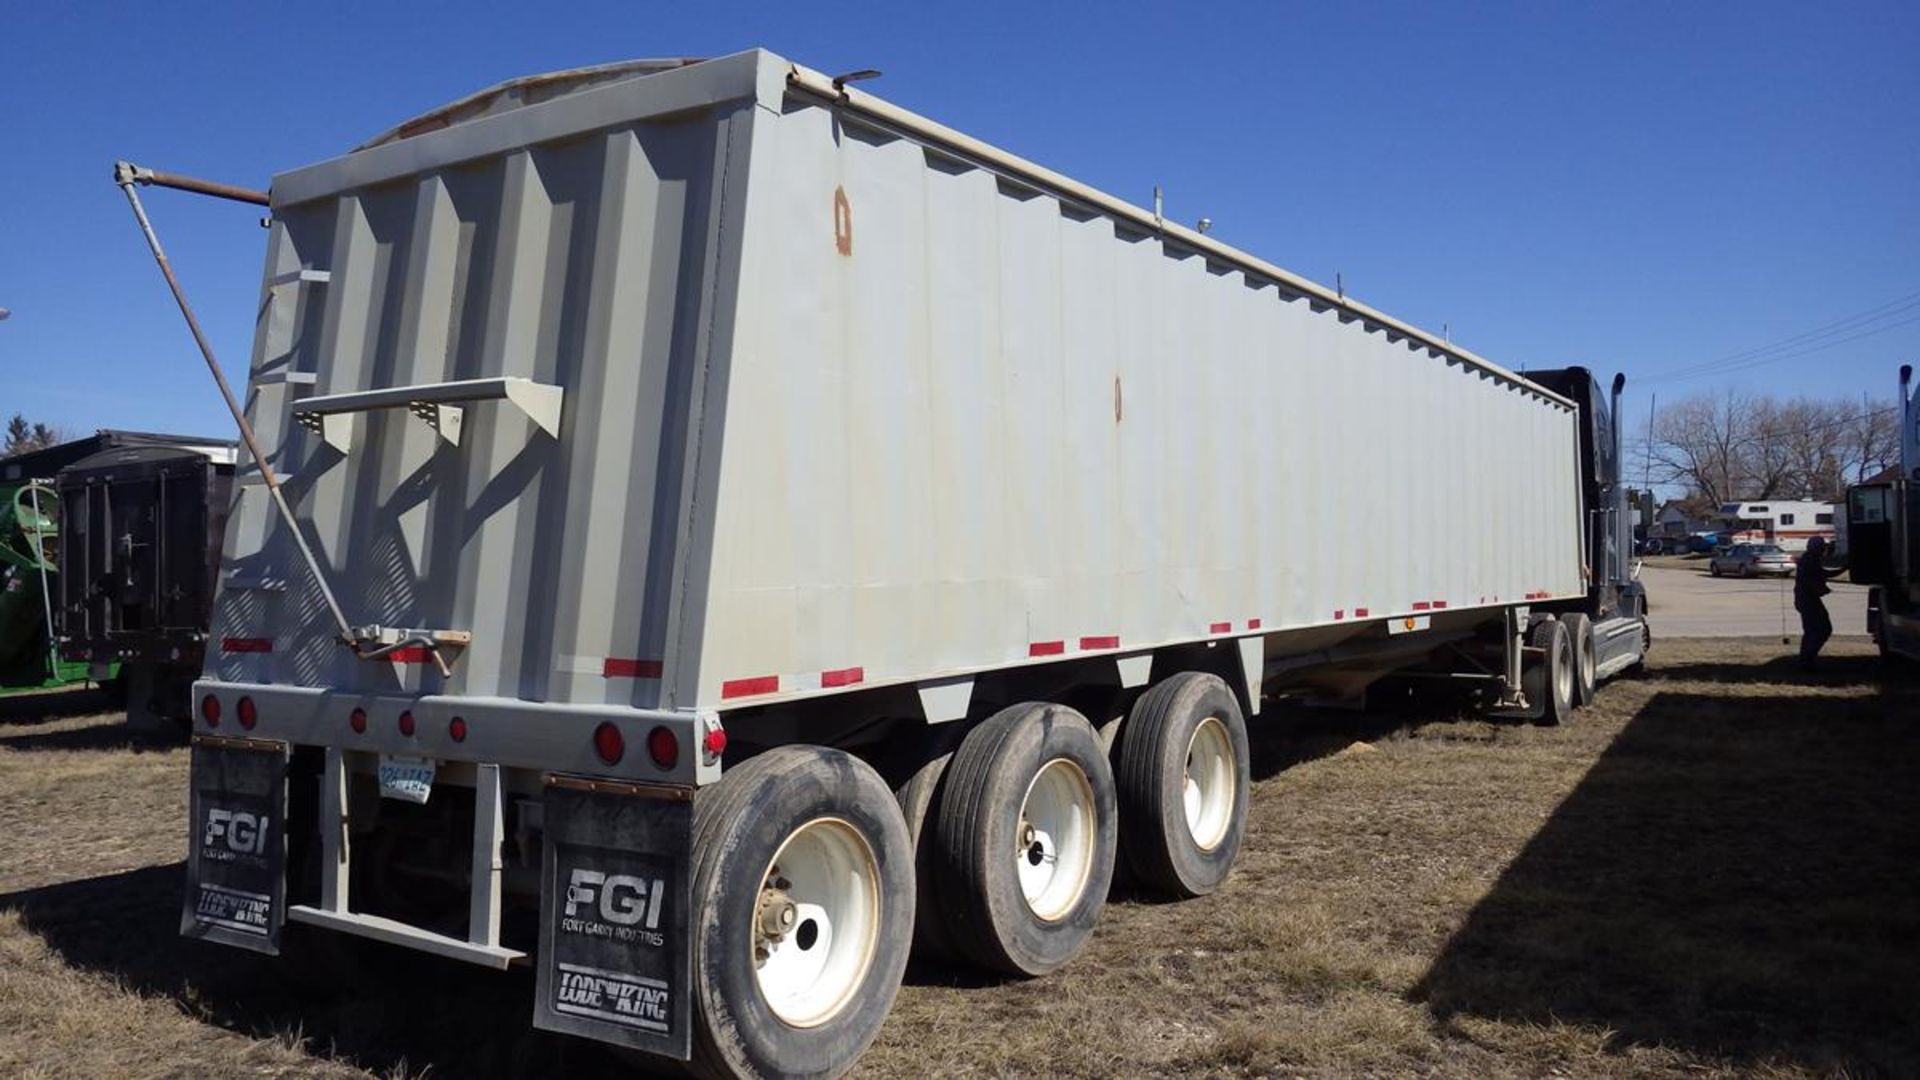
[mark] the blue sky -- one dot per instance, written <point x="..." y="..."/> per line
<point x="1644" y="187"/>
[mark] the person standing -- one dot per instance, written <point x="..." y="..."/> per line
<point x="1809" y="586"/>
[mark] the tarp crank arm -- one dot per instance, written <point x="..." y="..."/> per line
<point x="127" y="175"/>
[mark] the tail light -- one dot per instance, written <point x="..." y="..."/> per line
<point x="609" y="743"/>
<point x="248" y="715"/>
<point x="406" y="724"/>
<point x="457" y="729"/>
<point x="663" y="747"/>
<point x="210" y="710"/>
<point x="357" y="720"/>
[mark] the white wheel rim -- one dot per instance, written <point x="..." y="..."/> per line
<point x="1563" y="681"/>
<point x="808" y="971"/>
<point x="1053" y="839"/>
<point x="1209" y="783"/>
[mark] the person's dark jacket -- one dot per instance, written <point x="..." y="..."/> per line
<point x="1810" y="577"/>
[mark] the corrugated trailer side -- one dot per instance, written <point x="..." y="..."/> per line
<point x="972" y="423"/>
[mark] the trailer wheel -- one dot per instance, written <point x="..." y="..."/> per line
<point x="1026" y="831"/>
<point x="803" y="914"/>
<point x="1586" y="659"/>
<point x="918" y="801"/>
<point x="1183" y="784"/>
<point x="1549" y="680"/>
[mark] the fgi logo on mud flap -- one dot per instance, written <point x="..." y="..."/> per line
<point x="236" y="838"/>
<point x="619" y="910"/>
<point x="622" y="907"/>
<point x="234" y="834"/>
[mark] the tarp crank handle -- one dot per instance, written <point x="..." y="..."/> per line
<point x="127" y="175"/>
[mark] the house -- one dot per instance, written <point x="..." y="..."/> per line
<point x="1677" y="521"/>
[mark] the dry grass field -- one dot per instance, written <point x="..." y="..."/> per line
<point x="1712" y="872"/>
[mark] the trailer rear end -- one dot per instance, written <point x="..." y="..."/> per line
<point x="779" y="531"/>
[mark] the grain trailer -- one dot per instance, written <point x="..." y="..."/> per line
<point x="755" y="529"/>
<point x="140" y="536"/>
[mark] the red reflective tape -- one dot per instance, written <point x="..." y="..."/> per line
<point x="247" y="644"/>
<point x="1439" y="605"/>
<point x="843" y="677"/>
<point x="765" y="684"/>
<point x="412" y="654"/>
<point x="1220" y="628"/>
<point x="1253" y="624"/>
<point x="1100" y="642"/>
<point x="1359" y="613"/>
<point x="1421" y="605"/>
<point x="1339" y="613"/>
<point x="1046" y="648"/>
<point x="619" y="667"/>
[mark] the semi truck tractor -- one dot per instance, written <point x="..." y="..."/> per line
<point x="1883" y="542"/>
<point x="712" y="531"/>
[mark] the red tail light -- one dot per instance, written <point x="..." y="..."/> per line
<point x="357" y="720"/>
<point x="663" y="747"/>
<point x="248" y="715"/>
<point x="210" y="710"/>
<point x="457" y="728"/>
<point x="609" y="743"/>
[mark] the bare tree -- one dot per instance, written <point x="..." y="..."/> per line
<point x="1730" y="445"/>
<point x="1699" y="444"/>
<point x="1872" y="440"/>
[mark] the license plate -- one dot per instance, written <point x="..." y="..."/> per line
<point x="409" y="779"/>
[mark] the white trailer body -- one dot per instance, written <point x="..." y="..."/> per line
<point x="664" y="400"/>
<point x="1002" y="428"/>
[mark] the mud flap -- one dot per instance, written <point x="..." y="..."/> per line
<point x="616" y="958"/>
<point x="236" y="859"/>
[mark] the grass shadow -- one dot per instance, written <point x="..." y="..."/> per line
<point x="1735" y="875"/>
<point x="391" y="1011"/>
<point x="40" y="706"/>
<point x="110" y="734"/>
<point x="1852" y="670"/>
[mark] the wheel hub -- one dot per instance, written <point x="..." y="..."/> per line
<point x="1053" y="839"/>
<point x="816" y="922"/>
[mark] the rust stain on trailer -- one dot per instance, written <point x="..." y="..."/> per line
<point x="842" y="222"/>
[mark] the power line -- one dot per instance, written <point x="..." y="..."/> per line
<point x="1850" y="322"/>
<point x="1762" y="434"/>
<point x="1827" y="335"/>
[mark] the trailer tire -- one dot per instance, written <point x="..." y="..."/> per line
<point x="1181" y="830"/>
<point x="831" y="828"/>
<point x="1549" y="680"/>
<point x="1026" y="830"/>
<point x="1586" y="658"/>
<point x="918" y="799"/>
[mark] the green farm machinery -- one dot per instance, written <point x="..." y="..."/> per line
<point x="29" y="546"/>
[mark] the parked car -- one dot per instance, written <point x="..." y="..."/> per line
<point x="1751" y="560"/>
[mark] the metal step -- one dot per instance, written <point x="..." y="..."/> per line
<point x="394" y="932"/>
